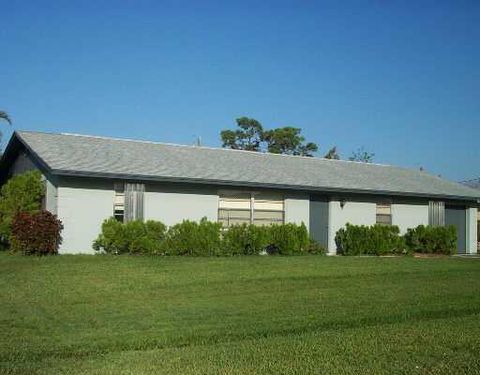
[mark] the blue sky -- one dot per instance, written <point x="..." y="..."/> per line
<point x="400" y="78"/>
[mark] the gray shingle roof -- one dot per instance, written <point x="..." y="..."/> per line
<point x="475" y="183"/>
<point x="97" y="156"/>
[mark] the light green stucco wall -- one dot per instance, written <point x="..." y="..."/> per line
<point x="297" y="209"/>
<point x="172" y="207"/>
<point x="409" y="215"/>
<point x="82" y="211"/>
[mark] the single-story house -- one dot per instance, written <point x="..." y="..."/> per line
<point x="89" y="179"/>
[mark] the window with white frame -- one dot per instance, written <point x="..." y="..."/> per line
<point x="384" y="213"/>
<point x="250" y="208"/>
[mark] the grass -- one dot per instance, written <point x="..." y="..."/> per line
<point x="245" y="315"/>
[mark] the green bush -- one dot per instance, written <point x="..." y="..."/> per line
<point x="245" y="239"/>
<point x="289" y="239"/>
<point x="133" y="237"/>
<point x="192" y="238"/>
<point x="315" y="248"/>
<point x="432" y="240"/>
<point x="369" y="240"/>
<point x="21" y="193"/>
<point x="204" y="238"/>
<point x="285" y="239"/>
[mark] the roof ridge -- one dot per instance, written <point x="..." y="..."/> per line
<point x="210" y="148"/>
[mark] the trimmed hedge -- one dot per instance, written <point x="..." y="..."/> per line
<point x="432" y="240"/>
<point x="192" y="238"/>
<point x="288" y="239"/>
<point x="204" y="238"/>
<point x="370" y="240"/>
<point x="386" y="239"/>
<point x="133" y="237"/>
<point x="285" y="239"/>
<point x="245" y="239"/>
<point x="36" y="233"/>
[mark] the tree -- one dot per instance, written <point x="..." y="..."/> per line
<point x="249" y="137"/>
<point x="22" y="193"/>
<point x="4" y="116"/>
<point x="288" y="140"/>
<point x="362" y="155"/>
<point x="332" y="154"/>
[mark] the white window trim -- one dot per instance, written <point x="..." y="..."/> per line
<point x="226" y="193"/>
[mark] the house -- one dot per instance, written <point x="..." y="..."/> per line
<point x="89" y="179"/>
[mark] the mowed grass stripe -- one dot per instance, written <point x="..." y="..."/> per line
<point x="72" y="309"/>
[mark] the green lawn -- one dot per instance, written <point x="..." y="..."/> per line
<point x="312" y="314"/>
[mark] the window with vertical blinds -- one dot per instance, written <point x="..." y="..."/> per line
<point x="250" y="208"/>
<point x="436" y="213"/>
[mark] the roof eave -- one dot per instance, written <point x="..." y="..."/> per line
<point x="307" y="188"/>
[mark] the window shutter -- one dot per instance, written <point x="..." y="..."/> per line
<point x="436" y="213"/>
<point x="134" y="201"/>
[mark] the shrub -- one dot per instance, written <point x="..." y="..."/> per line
<point x="289" y="239"/>
<point x="315" y="248"/>
<point x="36" y="234"/>
<point x="285" y="239"/>
<point x="21" y="193"/>
<point x="432" y="240"/>
<point x="369" y="240"/>
<point x="204" y="238"/>
<point x="245" y="239"/>
<point x="133" y="237"/>
<point x="192" y="238"/>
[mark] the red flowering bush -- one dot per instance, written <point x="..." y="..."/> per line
<point x="36" y="233"/>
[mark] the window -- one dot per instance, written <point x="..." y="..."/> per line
<point x="128" y="201"/>
<point x="250" y="208"/>
<point x="119" y="201"/>
<point x="384" y="213"/>
<point x="436" y="213"/>
<point x="268" y="209"/>
<point x="234" y="208"/>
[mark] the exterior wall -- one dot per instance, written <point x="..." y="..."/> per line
<point x="409" y="215"/>
<point x="297" y="209"/>
<point x="171" y="205"/>
<point x="358" y="213"/>
<point x="50" y="196"/>
<point x="472" y="228"/>
<point x="23" y="163"/>
<point x="82" y="207"/>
